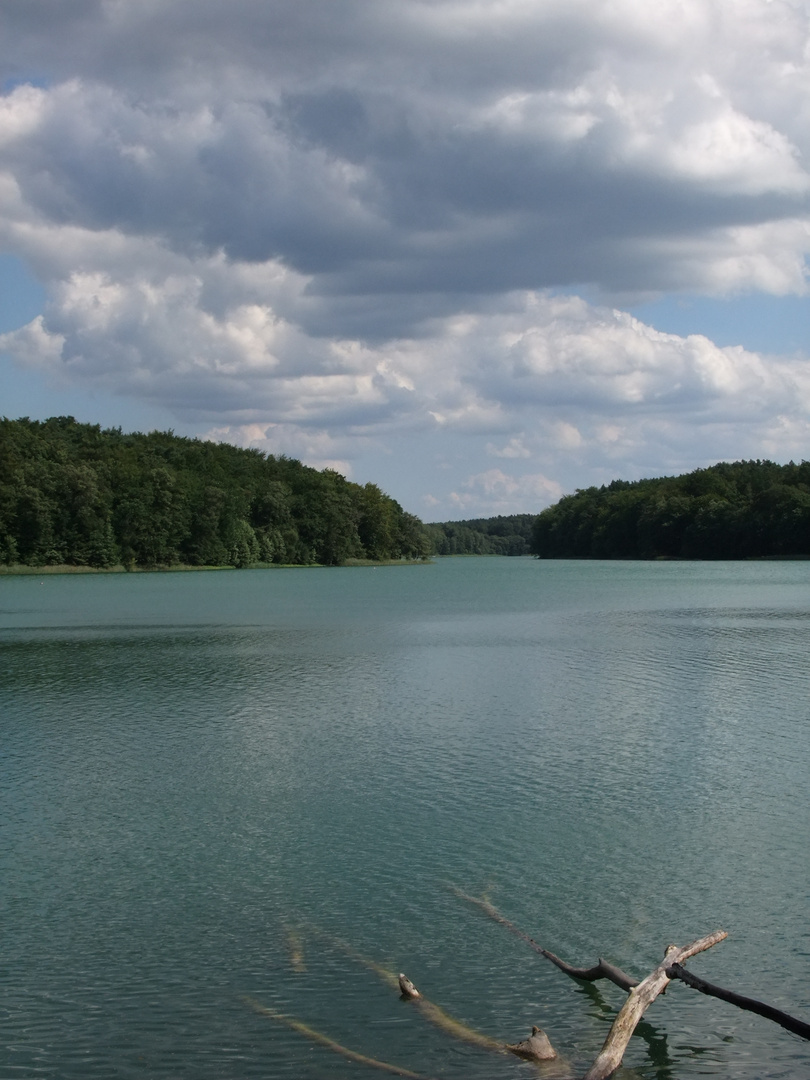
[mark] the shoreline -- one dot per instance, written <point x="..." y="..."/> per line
<point x="23" y="570"/>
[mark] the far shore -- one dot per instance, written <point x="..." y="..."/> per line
<point x="21" y="570"/>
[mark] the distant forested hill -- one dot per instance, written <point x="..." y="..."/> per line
<point x="483" y="536"/>
<point x="73" y="494"/>
<point x="747" y="509"/>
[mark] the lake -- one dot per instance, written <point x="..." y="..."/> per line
<point x="232" y="791"/>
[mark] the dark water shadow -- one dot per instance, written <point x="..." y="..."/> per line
<point x="657" y="1041"/>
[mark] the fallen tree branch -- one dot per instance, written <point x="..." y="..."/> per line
<point x="536" y="1048"/>
<point x="605" y="970"/>
<point x="638" y="1001"/>
<point x="601" y="970"/>
<point x="435" y="1014"/>
<point x="295" y="949"/>
<point x="785" y="1020"/>
<point x="640" y="996"/>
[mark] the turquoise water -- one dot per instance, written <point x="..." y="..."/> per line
<point x="210" y="781"/>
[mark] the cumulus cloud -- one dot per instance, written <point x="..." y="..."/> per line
<point x="552" y="380"/>
<point x="408" y="148"/>
<point x="320" y="227"/>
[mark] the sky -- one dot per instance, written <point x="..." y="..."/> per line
<point x="479" y="252"/>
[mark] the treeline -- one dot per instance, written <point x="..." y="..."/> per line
<point x="75" y="494"/>
<point x="483" y="536"/>
<point x="740" y="510"/>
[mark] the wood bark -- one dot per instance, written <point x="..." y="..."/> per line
<point x="638" y="1001"/>
<point x="536" y="1048"/>
<point x="601" y="970"/>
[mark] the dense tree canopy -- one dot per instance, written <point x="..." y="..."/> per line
<point x="483" y="536"/>
<point x="745" y="509"/>
<point x="74" y="494"/>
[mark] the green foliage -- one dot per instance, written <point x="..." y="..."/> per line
<point x="745" y="509"/>
<point x="483" y="536"/>
<point x="73" y="494"/>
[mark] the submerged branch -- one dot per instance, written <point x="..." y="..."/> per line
<point x="537" y="1047"/>
<point x="431" y="1012"/>
<point x="605" y="970"/>
<point x="785" y="1020"/>
<point x="330" y="1044"/>
<point x="601" y="970"/>
<point x="295" y="949"/>
<point x="436" y="1015"/>
<point x="387" y="976"/>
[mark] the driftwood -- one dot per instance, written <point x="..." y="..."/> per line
<point x="638" y="1001"/>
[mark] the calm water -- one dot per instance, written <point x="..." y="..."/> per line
<point x="210" y="781"/>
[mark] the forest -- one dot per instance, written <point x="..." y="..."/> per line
<point x="510" y="535"/>
<point x="74" y="494"/>
<point x="738" y="510"/>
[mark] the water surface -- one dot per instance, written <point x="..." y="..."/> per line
<point x="210" y="781"/>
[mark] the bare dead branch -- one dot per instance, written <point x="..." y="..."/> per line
<point x="602" y="970"/>
<point x="638" y="1001"/>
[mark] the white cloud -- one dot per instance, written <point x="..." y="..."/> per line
<point x="34" y="346"/>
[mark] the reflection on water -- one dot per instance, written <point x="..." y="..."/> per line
<point x="207" y="781"/>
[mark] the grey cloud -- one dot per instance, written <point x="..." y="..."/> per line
<point x="424" y="151"/>
<point x="130" y="39"/>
